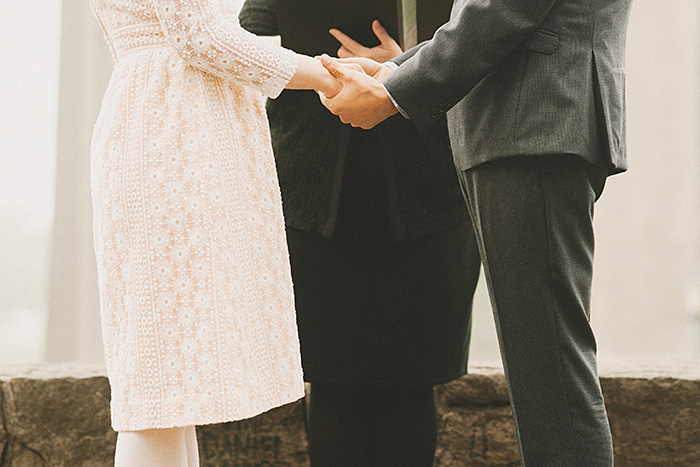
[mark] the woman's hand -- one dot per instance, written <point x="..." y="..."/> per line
<point x="311" y="74"/>
<point x="327" y="85"/>
<point x="386" y="50"/>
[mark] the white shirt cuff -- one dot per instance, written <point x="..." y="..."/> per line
<point x="392" y="65"/>
<point x="396" y="104"/>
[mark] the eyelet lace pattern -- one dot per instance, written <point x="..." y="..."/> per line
<point x="195" y="287"/>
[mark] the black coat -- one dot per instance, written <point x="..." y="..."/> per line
<point x="311" y="146"/>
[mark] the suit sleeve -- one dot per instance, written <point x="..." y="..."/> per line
<point x="259" y="17"/>
<point x="462" y="53"/>
<point x="408" y="53"/>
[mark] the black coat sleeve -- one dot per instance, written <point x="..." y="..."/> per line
<point x="259" y="17"/>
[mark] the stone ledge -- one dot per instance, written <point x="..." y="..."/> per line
<point x="58" y="415"/>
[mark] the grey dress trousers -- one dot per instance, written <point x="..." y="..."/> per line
<point x="534" y="97"/>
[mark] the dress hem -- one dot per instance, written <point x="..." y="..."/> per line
<point x="237" y="418"/>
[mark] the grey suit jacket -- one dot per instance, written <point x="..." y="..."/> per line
<point x="523" y="77"/>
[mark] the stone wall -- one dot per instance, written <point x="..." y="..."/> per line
<point x="58" y="415"/>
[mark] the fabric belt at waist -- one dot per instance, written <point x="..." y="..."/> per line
<point x="141" y="36"/>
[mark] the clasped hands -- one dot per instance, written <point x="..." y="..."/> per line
<point x="362" y="101"/>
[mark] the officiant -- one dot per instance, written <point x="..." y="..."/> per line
<point x="384" y="259"/>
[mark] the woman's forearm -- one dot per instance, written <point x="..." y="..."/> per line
<point x="311" y="74"/>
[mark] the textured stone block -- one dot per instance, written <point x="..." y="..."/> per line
<point x="273" y="439"/>
<point x="476" y="424"/>
<point x="654" y="414"/>
<point x="58" y="415"/>
<point x="3" y="433"/>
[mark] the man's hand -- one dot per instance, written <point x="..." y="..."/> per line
<point x="376" y="70"/>
<point x="362" y="102"/>
<point x="386" y="50"/>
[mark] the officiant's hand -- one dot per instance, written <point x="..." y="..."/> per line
<point x="362" y="102"/>
<point x="386" y="50"/>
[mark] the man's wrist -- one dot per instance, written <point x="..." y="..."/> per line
<point x="383" y="73"/>
<point x="393" y="66"/>
<point x="396" y="105"/>
<point x="388" y="108"/>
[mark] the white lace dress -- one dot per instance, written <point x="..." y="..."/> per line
<point x="195" y="288"/>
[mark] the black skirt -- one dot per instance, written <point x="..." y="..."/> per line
<point x="375" y="311"/>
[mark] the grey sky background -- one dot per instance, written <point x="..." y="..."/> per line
<point x="29" y="34"/>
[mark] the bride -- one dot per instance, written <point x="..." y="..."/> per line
<point x="195" y="288"/>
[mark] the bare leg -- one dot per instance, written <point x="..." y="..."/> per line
<point x="152" y="448"/>
<point x="192" y="448"/>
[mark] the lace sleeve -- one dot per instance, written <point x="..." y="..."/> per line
<point x="216" y="44"/>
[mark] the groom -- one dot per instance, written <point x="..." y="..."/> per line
<point x="534" y="96"/>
